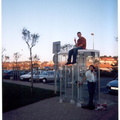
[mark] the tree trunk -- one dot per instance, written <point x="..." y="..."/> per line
<point x="16" y="64"/>
<point x="31" y="71"/>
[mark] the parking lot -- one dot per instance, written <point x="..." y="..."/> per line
<point x="50" y="84"/>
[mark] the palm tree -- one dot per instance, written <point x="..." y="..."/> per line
<point x="31" y="40"/>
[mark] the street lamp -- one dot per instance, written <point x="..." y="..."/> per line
<point x="22" y="59"/>
<point x="93" y="39"/>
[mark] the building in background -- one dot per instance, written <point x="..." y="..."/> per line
<point x="25" y="65"/>
<point x="105" y="63"/>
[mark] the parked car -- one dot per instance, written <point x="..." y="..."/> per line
<point x="28" y="75"/>
<point x="7" y="74"/>
<point x="45" y="76"/>
<point x="112" y="86"/>
<point x="12" y="74"/>
<point x="47" y="68"/>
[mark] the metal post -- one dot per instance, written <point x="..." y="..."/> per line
<point x="78" y="87"/>
<point x="61" y="85"/>
<point x="72" y="100"/>
<point x="55" y="91"/>
<point x="93" y="39"/>
<point x="65" y="78"/>
<point x="99" y="80"/>
<point x="65" y="81"/>
<point x="80" y="75"/>
<point x="56" y="49"/>
<point x="61" y="100"/>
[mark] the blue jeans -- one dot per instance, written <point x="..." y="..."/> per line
<point x="74" y="53"/>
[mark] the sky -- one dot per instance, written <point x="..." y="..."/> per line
<point x="59" y="20"/>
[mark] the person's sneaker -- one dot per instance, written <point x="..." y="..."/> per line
<point x="89" y="107"/>
<point x="67" y="63"/>
<point x="85" y="106"/>
<point x="92" y="107"/>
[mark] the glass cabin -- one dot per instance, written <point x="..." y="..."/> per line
<point x="71" y="75"/>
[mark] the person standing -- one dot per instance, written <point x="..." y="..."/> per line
<point x="90" y="77"/>
<point x="79" y="44"/>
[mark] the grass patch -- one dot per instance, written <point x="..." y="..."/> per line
<point x="15" y="96"/>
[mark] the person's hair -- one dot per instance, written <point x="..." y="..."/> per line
<point x="78" y="32"/>
<point x="92" y="66"/>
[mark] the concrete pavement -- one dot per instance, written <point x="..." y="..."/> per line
<point x="51" y="109"/>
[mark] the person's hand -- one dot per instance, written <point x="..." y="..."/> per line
<point x="94" y="72"/>
<point x="75" y="40"/>
<point x="80" y="83"/>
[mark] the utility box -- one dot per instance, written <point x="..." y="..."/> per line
<point x="71" y="75"/>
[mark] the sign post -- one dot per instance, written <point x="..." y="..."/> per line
<point x="56" y="49"/>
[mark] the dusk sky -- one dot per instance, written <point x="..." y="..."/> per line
<point x="59" y="20"/>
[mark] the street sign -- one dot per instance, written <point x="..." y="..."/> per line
<point x="56" y="47"/>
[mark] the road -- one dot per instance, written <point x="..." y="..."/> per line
<point x="103" y="82"/>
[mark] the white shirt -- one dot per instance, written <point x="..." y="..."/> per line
<point x="90" y="76"/>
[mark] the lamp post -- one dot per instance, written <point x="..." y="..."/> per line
<point x="93" y="39"/>
<point x="22" y="60"/>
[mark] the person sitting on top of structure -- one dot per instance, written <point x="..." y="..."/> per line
<point x="80" y="44"/>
